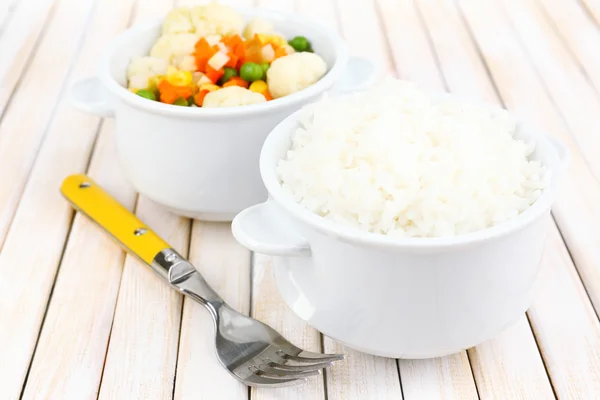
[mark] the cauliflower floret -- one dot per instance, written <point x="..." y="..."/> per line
<point x="178" y="20"/>
<point x="232" y="96"/>
<point x="138" y="82"/>
<point x="141" y="69"/>
<point x="146" y="65"/>
<point x="217" y="19"/>
<point x="258" y="25"/>
<point x="185" y="63"/>
<point x="173" y="45"/>
<point x="289" y="49"/>
<point x="294" y="72"/>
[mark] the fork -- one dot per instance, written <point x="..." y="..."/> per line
<point x="253" y="352"/>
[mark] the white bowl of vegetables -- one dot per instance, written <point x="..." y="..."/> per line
<point x="195" y="94"/>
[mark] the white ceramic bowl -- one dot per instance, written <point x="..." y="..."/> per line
<point x="398" y="297"/>
<point x="203" y="163"/>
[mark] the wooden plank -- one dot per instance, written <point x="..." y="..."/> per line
<point x="515" y="349"/>
<point x="69" y="357"/>
<point x="455" y="51"/>
<point x="268" y="307"/>
<point x="447" y="377"/>
<point x="593" y="9"/>
<point x="578" y="32"/>
<point x="361" y="375"/>
<point x="142" y="354"/>
<point x="360" y="25"/>
<point x="43" y="217"/>
<point x="514" y="374"/>
<point x="522" y="90"/>
<point x="69" y="139"/>
<point x="413" y="57"/>
<point x="565" y="325"/>
<point x="225" y="265"/>
<point x="319" y="10"/>
<point x="580" y="227"/>
<point x="568" y="87"/>
<point x="18" y="37"/>
<point x="575" y="209"/>
<point x="20" y="134"/>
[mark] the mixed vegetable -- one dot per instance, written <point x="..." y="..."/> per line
<point x="203" y="59"/>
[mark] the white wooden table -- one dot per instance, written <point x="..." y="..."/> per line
<point x="79" y="319"/>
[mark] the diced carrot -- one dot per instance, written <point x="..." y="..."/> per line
<point x="214" y="74"/>
<point x="280" y="52"/>
<point x="201" y="64"/>
<point x="203" y="49"/>
<point x="240" y="52"/>
<point x="232" y="41"/>
<point x="184" y="91"/>
<point x="202" y="44"/>
<point x="268" y="96"/>
<point x="169" y="93"/>
<point x="236" y="81"/>
<point x="199" y="97"/>
<point x="253" y="54"/>
<point x="233" y="60"/>
<point x="203" y="53"/>
<point x="168" y="97"/>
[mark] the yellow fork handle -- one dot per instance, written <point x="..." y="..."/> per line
<point x="89" y="198"/>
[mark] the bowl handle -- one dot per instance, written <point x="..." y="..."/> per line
<point x="90" y="96"/>
<point x="262" y="228"/>
<point x="360" y="73"/>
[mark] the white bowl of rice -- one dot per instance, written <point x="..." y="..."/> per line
<point x="406" y="223"/>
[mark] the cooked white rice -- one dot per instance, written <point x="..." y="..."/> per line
<point x="399" y="161"/>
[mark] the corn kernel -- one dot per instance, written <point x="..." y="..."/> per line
<point x="178" y="78"/>
<point x="211" y="87"/>
<point x="277" y="40"/>
<point x="262" y="38"/>
<point x="259" y="86"/>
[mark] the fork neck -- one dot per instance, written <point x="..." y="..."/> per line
<point x="182" y="276"/>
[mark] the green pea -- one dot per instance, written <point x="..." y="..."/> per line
<point x="191" y="101"/>
<point x="265" y="67"/>
<point x="147" y="94"/>
<point x="251" y="72"/>
<point x="300" y="43"/>
<point x="229" y="73"/>
<point x="181" y="102"/>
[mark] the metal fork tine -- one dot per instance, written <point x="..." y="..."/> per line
<point x="308" y="356"/>
<point x="303" y="367"/>
<point x="256" y="380"/>
<point x="274" y="373"/>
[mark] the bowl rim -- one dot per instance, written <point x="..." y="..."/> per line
<point x="285" y="129"/>
<point x="340" y="55"/>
